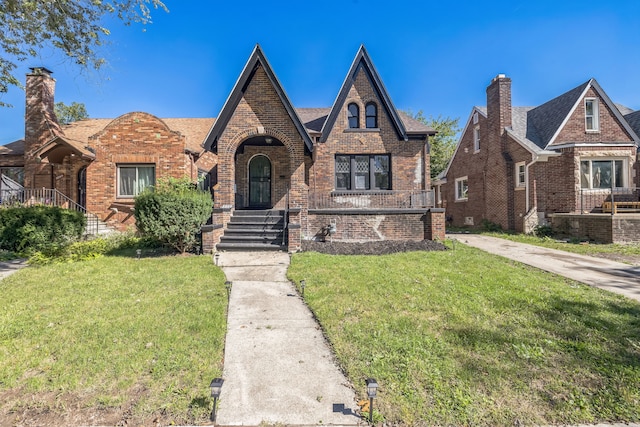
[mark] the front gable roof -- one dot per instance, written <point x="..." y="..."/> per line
<point x="547" y="120"/>
<point x="256" y="60"/>
<point x="362" y="62"/>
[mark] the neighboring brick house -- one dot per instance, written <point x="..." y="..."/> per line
<point x="518" y="166"/>
<point x="356" y="171"/>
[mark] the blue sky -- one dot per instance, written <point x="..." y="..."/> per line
<point x="437" y="57"/>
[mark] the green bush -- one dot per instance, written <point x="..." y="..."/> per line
<point x="94" y="248"/>
<point x="26" y="230"/>
<point x="543" y="231"/>
<point x="173" y="213"/>
<point x="490" y="226"/>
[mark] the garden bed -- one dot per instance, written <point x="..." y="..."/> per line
<point x="382" y="247"/>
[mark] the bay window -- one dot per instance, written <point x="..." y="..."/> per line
<point x="598" y="173"/>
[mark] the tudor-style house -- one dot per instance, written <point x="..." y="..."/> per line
<point x="551" y="164"/>
<point x="356" y="171"/>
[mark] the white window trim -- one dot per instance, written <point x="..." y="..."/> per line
<point x="131" y="165"/>
<point x="476" y="139"/>
<point x="625" y="171"/>
<point x="595" y="117"/>
<point x="458" y="195"/>
<point x="519" y="183"/>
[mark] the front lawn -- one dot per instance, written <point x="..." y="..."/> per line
<point x="110" y="341"/>
<point x="467" y="338"/>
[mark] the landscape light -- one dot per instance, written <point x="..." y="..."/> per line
<point x="372" y="389"/>
<point x="216" y="386"/>
<point x="303" y="283"/>
<point x="228" y="286"/>
<point x="138" y="253"/>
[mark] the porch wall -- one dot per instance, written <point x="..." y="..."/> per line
<point x="280" y="174"/>
<point x="362" y="226"/>
<point x="601" y="228"/>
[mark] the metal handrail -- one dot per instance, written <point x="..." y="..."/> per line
<point x="383" y="199"/>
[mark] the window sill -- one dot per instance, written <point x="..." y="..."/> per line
<point x="461" y="200"/>
<point x="592" y="131"/>
<point x="349" y="130"/>
<point x="520" y="187"/>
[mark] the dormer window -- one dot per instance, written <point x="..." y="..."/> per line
<point x="591" y="114"/>
<point x="353" y="113"/>
<point x="371" y="113"/>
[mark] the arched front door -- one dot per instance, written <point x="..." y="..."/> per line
<point x="82" y="187"/>
<point x="260" y="182"/>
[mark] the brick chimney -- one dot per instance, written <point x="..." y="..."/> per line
<point x="499" y="103"/>
<point x="40" y="126"/>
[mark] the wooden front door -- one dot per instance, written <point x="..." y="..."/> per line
<point x="260" y="182"/>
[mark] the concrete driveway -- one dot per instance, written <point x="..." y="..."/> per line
<point x="609" y="275"/>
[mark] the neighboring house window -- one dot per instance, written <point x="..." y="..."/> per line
<point x="597" y="173"/>
<point x="363" y="172"/>
<point x="476" y="139"/>
<point x="591" y="113"/>
<point x="354" y="116"/>
<point x="462" y="188"/>
<point x="521" y="175"/>
<point x="132" y="179"/>
<point x="475" y="118"/>
<point x="371" y="113"/>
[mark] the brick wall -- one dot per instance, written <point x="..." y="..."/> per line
<point x="133" y="139"/>
<point x="41" y="125"/>
<point x="409" y="168"/>
<point x="601" y="228"/>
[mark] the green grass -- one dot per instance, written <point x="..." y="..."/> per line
<point x="114" y="331"/>
<point x="582" y="248"/>
<point x="466" y="338"/>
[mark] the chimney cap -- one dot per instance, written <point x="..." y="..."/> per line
<point x="499" y="77"/>
<point x="40" y="70"/>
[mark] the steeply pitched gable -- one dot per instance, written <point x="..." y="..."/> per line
<point x="363" y="63"/>
<point x="257" y="59"/>
<point x="545" y="122"/>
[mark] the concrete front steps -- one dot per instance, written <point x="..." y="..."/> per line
<point x="254" y="230"/>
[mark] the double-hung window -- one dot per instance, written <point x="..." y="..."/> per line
<point x="597" y="173"/>
<point x="591" y="114"/>
<point x="353" y="115"/>
<point x="462" y="188"/>
<point x="133" y="179"/>
<point x="363" y="172"/>
<point x="371" y="115"/>
<point x="521" y="175"/>
<point x="476" y="139"/>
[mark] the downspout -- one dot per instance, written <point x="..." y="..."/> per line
<point x="526" y="180"/>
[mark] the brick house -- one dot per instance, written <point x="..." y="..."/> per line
<point x="520" y="166"/>
<point x="356" y="171"/>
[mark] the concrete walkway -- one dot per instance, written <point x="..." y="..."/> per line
<point x="609" y="275"/>
<point x="278" y="367"/>
<point x="7" y="268"/>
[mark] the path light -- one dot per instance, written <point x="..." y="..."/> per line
<point x="216" y="258"/>
<point x="138" y="253"/>
<point x="303" y="283"/>
<point x="216" y="386"/>
<point x="372" y="389"/>
<point x="228" y="286"/>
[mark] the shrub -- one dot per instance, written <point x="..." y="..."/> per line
<point x="26" y="230"/>
<point x="543" y="231"/>
<point x="490" y="226"/>
<point x="173" y="213"/>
